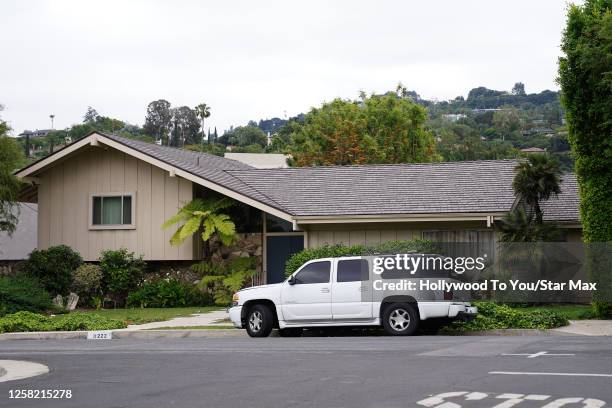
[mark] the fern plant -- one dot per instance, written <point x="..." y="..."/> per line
<point x="203" y="213"/>
<point x="223" y="279"/>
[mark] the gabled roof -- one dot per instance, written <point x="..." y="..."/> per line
<point x="478" y="188"/>
<point x="450" y="187"/>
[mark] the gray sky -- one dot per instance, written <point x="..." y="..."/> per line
<point x="254" y="60"/>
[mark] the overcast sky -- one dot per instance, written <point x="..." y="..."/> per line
<point x="254" y="60"/>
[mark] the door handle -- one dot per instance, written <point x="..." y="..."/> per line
<point x="325" y="290"/>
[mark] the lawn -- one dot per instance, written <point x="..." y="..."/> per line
<point x="572" y="312"/>
<point x="140" y="315"/>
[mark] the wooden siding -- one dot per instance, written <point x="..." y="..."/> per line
<point x="64" y="205"/>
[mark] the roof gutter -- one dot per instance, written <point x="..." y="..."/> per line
<point x="489" y="218"/>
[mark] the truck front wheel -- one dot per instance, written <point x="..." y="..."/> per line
<point x="400" y="319"/>
<point x="259" y="321"/>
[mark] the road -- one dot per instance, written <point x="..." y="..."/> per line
<point x="381" y="372"/>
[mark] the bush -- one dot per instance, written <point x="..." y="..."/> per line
<point x="168" y="293"/>
<point x="28" y="321"/>
<point x="493" y="316"/>
<point x="87" y="282"/>
<point x="22" y="292"/>
<point x="332" y="251"/>
<point x="53" y="267"/>
<point x="122" y="272"/>
<point x="222" y="279"/>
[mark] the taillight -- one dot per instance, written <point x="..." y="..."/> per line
<point x="448" y="295"/>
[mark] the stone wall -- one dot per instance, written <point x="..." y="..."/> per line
<point x="247" y="245"/>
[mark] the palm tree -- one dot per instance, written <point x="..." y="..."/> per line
<point x="203" y="213"/>
<point x="537" y="178"/>
<point x="203" y="112"/>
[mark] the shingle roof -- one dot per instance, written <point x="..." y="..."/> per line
<point x="565" y="207"/>
<point x="452" y="187"/>
<point x="392" y="189"/>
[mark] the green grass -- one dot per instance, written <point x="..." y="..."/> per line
<point x="572" y="312"/>
<point x="211" y="327"/>
<point x="147" y="315"/>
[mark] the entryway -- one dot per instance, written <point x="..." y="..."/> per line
<point x="279" y="249"/>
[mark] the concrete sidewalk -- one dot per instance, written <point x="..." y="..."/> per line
<point x="587" y="328"/>
<point x="215" y="318"/>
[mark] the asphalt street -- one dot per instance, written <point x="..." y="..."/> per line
<point x="381" y="372"/>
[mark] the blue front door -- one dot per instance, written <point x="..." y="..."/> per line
<point x="278" y="250"/>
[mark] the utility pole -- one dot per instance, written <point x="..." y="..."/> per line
<point x="52" y="117"/>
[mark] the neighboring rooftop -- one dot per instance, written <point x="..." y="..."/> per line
<point x="260" y="160"/>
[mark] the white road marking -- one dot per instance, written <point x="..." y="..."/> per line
<point x="586" y="403"/>
<point x="538" y="354"/>
<point x="515" y="399"/>
<point x="17" y="370"/>
<point x="556" y="374"/>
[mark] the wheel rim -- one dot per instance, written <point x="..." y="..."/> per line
<point x="399" y="319"/>
<point x="255" y="321"/>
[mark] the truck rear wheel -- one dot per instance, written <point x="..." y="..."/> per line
<point x="259" y="321"/>
<point x="400" y="319"/>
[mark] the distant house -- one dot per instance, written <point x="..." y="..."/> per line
<point x="532" y="150"/>
<point x="260" y="160"/>
<point x="454" y="117"/>
<point x="104" y="191"/>
<point x="35" y="133"/>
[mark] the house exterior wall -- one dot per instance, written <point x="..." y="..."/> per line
<point x="376" y="233"/>
<point x="64" y="205"/>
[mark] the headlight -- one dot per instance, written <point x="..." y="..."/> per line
<point x="235" y="299"/>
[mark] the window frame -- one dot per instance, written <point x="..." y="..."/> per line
<point x="328" y="261"/>
<point x="132" y="225"/>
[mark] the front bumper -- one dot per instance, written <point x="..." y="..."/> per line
<point x="235" y="313"/>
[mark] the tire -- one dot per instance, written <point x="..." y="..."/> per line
<point x="259" y="321"/>
<point x="290" y="332"/>
<point x="400" y="319"/>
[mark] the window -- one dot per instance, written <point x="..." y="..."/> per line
<point x="352" y="270"/>
<point x="112" y="210"/>
<point x="316" y="272"/>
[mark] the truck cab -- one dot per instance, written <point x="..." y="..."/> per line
<point x="331" y="292"/>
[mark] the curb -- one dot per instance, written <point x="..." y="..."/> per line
<point x="127" y="334"/>
<point x="513" y="332"/>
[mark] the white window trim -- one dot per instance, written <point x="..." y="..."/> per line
<point x="112" y="226"/>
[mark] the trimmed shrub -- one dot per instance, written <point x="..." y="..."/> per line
<point x="168" y="293"/>
<point x="332" y="251"/>
<point x="28" y="321"/>
<point x="87" y="282"/>
<point x="53" y="267"/>
<point x="122" y="272"/>
<point x="493" y="316"/>
<point x="21" y="292"/>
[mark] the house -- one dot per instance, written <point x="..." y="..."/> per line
<point x="105" y="191"/>
<point x="532" y="150"/>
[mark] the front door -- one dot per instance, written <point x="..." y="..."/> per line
<point x="278" y="250"/>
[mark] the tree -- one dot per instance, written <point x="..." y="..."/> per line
<point x="91" y="115"/>
<point x="11" y="158"/>
<point x="518" y="89"/>
<point x="158" y="119"/>
<point x="537" y="179"/>
<point x="185" y="126"/>
<point x="377" y="129"/>
<point x="200" y="213"/>
<point x="585" y="76"/>
<point x="244" y="136"/>
<point x="507" y="120"/>
<point x="203" y="112"/>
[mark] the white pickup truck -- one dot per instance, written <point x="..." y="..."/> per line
<point x="332" y="292"/>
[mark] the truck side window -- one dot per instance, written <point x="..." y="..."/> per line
<point x="352" y="270"/>
<point x="316" y="272"/>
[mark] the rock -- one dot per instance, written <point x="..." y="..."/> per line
<point x="71" y="301"/>
<point x="58" y="301"/>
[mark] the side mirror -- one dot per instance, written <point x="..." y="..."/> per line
<point x="291" y="281"/>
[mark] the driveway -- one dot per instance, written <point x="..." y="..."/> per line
<point x="320" y="372"/>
